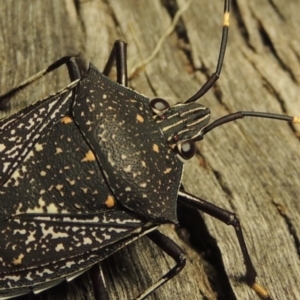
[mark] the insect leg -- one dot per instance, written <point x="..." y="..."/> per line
<point x="228" y="218"/>
<point x="118" y="55"/>
<point x="76" y="67"/>
<point x="74" y="73"/>
<point x="98" y="281"/>
<point x="173" y="250"/>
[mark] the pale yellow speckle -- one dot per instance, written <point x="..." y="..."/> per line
<point x="59" y="247"/>
<point x="42" y="202"/>
<point x="43" y="173"/>
<point x="89" y="156"/>
<point x="155" y="148"/>
<point x="167" y="171"/>
<point x="17" y="261"/>
<point x="72" y="182"/>
<point x="29" y="155"/>
<point x="139" y="118"/>
<point x="59" y="186"/>
<point x="85" y="190"/>
<point x="16" y="175"/>
<point x="87" y="241"/>
<point x="66" y="120"/>
<point x="58" y="150"/>
<point x="52" y="208"/>
<point x="18" y="210"/>
<point x="38" y="147"/>
<point x="226" y="19"/>
<point x="110" y="202"/>
<point x="127" y="169"/>
<point x="2" y="147"/>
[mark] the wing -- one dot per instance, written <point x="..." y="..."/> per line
<point x="58" y="174"/>
<point x="54" y="218"/>
<point x="40" y="250"/>
<point x="20" y="131"/>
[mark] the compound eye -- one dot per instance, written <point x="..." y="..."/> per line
<point x="187" y="149"/>
<point x="159" y="105"/>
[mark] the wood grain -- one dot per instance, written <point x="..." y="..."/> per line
<point x="250" y="167"/>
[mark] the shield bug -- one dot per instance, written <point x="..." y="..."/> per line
<point x="101" y="142"/>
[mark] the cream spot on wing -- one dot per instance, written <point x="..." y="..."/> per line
<point x="66" y="120"/>
<point x="59" y="247"/>
<point x="168" y="170"/>
<point x="155" y="148"/>
<point x="52" y="208"/>
<point x="89" y="156"/>
<point x="139" y="118"/>
<point x="110" y="202"/>
<point x="58" y="150"/>
<point x="38" y="147"/>
<point x="127" y="169"/>
<point x="17" y="261"/>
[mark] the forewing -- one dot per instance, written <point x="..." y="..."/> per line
<point x="56" y="218"/>
<point x="60" y="174"/>
<point x="20" y="131"/>
<point x="40" y="248"/>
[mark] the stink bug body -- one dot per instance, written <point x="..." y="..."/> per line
<point x="67" y="129"/>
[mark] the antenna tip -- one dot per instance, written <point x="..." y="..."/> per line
<point x="296" y="120"/>
<point x="260" y="290"/>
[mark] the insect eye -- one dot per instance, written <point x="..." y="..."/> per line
<point x="159" y="105"/>
<point x="186" y="149"/>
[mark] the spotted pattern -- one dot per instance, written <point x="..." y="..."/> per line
<point x="55" y="248"/>
<point x="140" y="168"/>
<point x="61" y="220"/>
<point x="59" y="175"/>
<point x="51" y="238"/>
<point x="21" y="131"/>
<point x="80" y="177"/>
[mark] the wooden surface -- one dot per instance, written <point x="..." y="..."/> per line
<point x="250" y="167"/>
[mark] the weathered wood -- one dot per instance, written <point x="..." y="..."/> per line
<point x="250" y="167"/>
